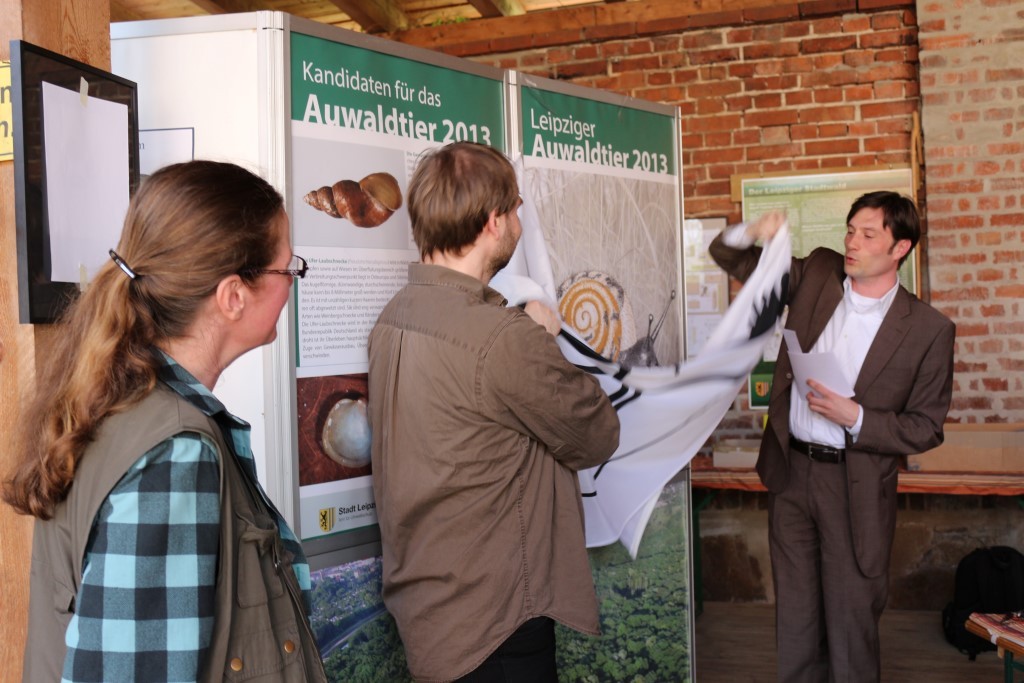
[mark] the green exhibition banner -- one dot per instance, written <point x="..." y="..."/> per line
<point x="336" y="84"/>
<point x="602" y="173"/>
<point x="362" y="113"/>
<point x="562" y="127"/>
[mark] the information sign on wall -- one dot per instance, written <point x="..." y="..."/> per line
<point x="707" y="285"/>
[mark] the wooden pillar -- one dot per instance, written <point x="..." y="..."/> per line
<point x="79" y="29"/>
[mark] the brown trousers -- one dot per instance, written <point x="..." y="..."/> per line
<point x="826" y="610"/>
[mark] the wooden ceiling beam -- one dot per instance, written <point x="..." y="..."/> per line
<point x="375" y="16"/>
<point x="579" y="22"/>
<point x="508" y="19"/>
<point x="498" y="8"/>
<point x="209" y="6"/>
<point x="230" y="6"/>
<point x="119" y="12"/>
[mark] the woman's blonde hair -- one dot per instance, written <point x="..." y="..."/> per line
<point x="189" y="226"/>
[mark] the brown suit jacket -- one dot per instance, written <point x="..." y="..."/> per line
<point x="904" y="387"/>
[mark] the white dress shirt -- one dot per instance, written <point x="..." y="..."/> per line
<point x="848" y="334"/>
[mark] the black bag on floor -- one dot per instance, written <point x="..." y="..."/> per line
<point x="987" y="580"/>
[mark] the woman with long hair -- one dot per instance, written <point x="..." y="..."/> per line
<point x="156" y="554"/>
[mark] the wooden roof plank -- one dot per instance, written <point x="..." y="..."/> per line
<point x="209" y="6"/>
<point x="375" y="15"/>
<point x="498" y="8"/>
<point x="119" y="12"/>
<point x="580" y="17"/>
<point x="436" y="23"/>
<point x="230" y="6"/>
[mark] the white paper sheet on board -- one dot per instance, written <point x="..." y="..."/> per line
<point x="86" y="149"/>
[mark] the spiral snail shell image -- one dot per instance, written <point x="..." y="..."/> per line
<point x="365" y="204"/>
<point x="346" y="433"/>
<point x="594" y="304"/>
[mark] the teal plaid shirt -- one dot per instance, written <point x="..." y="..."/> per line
<point x="145" y="608"/>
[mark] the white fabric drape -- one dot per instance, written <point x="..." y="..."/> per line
<point x="667" y="413"/>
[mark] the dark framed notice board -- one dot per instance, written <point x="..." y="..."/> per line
<point x="93" y="117"/>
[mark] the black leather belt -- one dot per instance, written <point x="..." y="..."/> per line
<point x="818" y="452"/>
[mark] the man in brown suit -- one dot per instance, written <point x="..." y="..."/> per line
<point x="830" y="463"/>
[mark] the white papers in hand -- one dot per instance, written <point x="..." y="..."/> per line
<point x="821" y="367"/>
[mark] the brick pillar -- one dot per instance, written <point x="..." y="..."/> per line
<point x="972" y="84"/>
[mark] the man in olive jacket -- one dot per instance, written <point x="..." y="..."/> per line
<point x="479" y="427"/>
<point x="830" y="463"/>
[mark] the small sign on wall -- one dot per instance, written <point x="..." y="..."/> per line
<point x="760" y="386"/>
<point x="6" y="115"/>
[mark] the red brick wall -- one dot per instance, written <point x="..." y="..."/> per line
<point x="972" y="82"/>
<point x="787" y="90"/>
<point x="775" y="90"/>
<point x="835" y="83"/>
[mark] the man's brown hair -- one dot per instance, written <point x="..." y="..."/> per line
<point x="452" y="193"/>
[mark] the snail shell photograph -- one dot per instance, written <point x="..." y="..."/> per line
<point x="346" y="433"/>
<point x="345" y="194"/>
<point x="334" y="433"/>
<point x="365" y="204"/>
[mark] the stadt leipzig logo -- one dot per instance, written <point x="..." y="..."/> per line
<point x="327" y="519"/>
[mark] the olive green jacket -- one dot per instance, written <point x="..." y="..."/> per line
<point x="261" y="631"/>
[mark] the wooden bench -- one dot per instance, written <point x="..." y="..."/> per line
<point x="1007" y="634"/>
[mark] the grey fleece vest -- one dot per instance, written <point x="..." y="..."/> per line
<point x="261" y="632"/>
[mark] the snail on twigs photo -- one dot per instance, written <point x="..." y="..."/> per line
<point x="366" y="204"/>
<point x="595" y="305"/>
